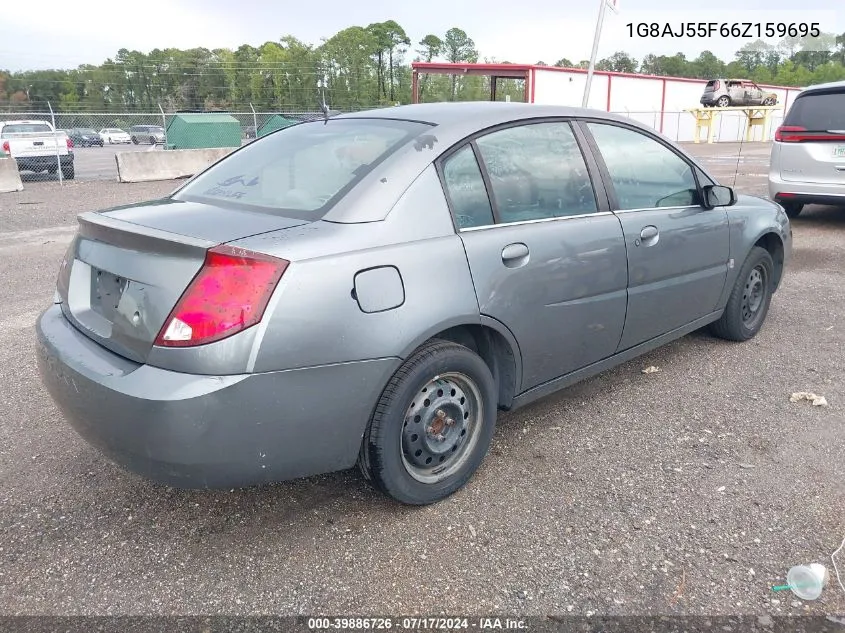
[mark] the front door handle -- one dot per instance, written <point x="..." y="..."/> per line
<point x="515" y="255"/>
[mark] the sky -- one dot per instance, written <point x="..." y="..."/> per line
<point x="63" y="34"/>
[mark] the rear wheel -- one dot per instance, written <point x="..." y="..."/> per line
<point x="749" y="302"/>
<point x="724" y="101"/>
<point x="68" y="172"/>
<point x="432" y="425"/>
<point x="793" y="209"/>
<point x="52" y="170"/>
<point x="135" y="140"/>
<point x="152" y="140"/>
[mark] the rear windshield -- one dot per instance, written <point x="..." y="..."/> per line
<point x="712" y="83"/>
<point x="25" y="128"/>
<point x="818" y="111"/>
<point x="302" y="170"/>
<point x="87" y="131"/>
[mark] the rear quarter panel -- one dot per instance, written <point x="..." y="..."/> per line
<point x="750" y="219"/>
<point x="314" y="318"/>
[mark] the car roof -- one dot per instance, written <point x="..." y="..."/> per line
<point x="454" y="121"/>
<point x="824" y="86"/>
<point x="484" y="113"/>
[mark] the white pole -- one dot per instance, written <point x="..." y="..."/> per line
<point x="254" y="122"/>
<point x="56" y="142"/>
<point x="599" y="23"/>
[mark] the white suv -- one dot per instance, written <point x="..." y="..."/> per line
<point x="808" y="155"/>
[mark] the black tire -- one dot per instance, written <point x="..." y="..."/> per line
<point x="52" y="170"/>
<point x="68" y="173"/>
<point x="453" y="446"/>
<point x="768" y="101"/>
<point x="793" y="209"/>
<point x="750" y="298"/>
<point x="135" y="140"/>
<point x="152" y="140"/>
<point x="724" y="101"/>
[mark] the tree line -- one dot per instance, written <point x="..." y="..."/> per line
<point x="360" y="67"/>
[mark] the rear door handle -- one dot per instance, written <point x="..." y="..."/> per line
<point x="515" y="255"/>
<point x="648" y="233"/>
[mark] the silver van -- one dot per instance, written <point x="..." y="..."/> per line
<point x="807" y="163"/>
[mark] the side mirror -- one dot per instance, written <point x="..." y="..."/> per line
<point x="718" y="196"/>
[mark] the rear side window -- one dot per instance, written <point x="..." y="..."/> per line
<point x="301" y="170"/>
<point x="466" y="190"/>
<point x="25" y="128"/>
<point x="818" y="112"/>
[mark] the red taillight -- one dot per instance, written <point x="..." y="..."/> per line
<point x="69" y="143"/>
<point x="789" y="133"/>
<point x="798" y="134"/>
<point x="6" y="147"/>
<point x="228" y="295"/>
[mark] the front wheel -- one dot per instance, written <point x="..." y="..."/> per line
<point x="432" y="425"/>
<point x="768" y="101"/>
<point x="750" y="298"/>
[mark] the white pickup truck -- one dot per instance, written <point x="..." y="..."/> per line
<point x="37" y="147"/>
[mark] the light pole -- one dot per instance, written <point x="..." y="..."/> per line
<point x="602" y="7"/>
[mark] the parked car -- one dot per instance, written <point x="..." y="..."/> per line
<point x="372" y="288"/>
<point x="38" y="147"/>
<point x="736" y="92"/>
<point x="113" y="135"/>
<point x="152" y="134"/>
<point x="84" y="137"/>
<point x="807" y="164"/>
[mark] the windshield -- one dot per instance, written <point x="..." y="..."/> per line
<point x="818" y="112"/>
<point x="301" y="170"/>
<point x="25" y="128"/>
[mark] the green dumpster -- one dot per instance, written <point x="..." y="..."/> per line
<point x="203" y="130"/>
<point x="275" y="122"/>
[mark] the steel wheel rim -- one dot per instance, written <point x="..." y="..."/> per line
<point x="441" y="428"/>
<point x="754" y="295"/>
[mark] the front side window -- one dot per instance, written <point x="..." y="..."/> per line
<point x="645" y="173"/>
<point x="536" y="172"/>
<point x="301" y="170"/>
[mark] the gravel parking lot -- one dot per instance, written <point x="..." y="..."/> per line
<point x="691" y="490"/>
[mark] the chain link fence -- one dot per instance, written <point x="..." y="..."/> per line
<point x="95" y="137"/>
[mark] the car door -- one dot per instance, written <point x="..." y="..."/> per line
<point x="678" y="251"/>
<point x="546" y="255"/>
<point x="736" y="93"/>
<point x="755" y="94"/>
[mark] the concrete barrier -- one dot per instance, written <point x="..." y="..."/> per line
<point x="10" y="178"/>
<point x="166" y="164"/>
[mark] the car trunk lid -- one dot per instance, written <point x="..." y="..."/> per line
<point x="127" y="267"/>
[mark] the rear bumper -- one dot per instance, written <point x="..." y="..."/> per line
<point x="805" y="192"/>
<point x="195" y="431"/>
<point x="41" y="163"/>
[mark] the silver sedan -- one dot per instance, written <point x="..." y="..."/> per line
<point x="374" y="287"/>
